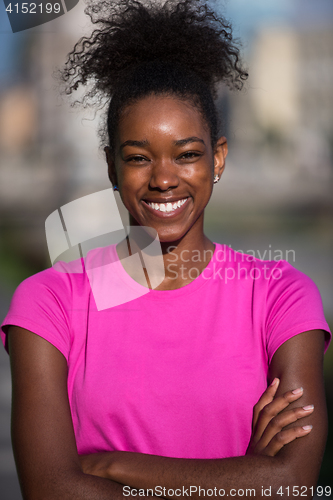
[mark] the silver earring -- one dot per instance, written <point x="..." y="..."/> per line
<point x="216" y="179"/>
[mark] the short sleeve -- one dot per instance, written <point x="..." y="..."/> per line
<point x="293" y="306"/>
<point x="41" y="304"/>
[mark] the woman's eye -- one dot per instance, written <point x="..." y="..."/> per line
<point x="189" y="155"/>
<point x="136" y="159"/>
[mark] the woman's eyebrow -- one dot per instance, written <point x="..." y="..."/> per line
<point x="139" y="144"/>
<point x="182" y="142"/>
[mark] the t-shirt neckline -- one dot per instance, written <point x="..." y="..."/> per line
<point x="203" y="278"/>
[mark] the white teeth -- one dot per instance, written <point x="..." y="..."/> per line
<point x="167" y="207"/>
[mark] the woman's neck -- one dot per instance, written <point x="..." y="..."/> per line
<point x="173" y="263"/>
<point x="184" y="261"/>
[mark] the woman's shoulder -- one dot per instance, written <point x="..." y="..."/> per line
<point x="274" y="283"/>
<point x="41" y="304"/>
<point x="63" y="283"/>
<point x="287" y="299"/>
<point x="57" y="279"/>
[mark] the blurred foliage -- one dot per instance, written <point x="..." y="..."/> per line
<point x="328" y="364"/>
<point x="15" y="263"/>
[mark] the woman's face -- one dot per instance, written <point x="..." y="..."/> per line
<point x="164" y="165"/>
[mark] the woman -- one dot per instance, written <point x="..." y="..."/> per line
<point x="160" y="390"/>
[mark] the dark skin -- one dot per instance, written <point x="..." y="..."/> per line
<point x="43" y="437"/>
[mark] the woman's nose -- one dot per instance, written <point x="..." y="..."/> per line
<point x="163" y="176"/>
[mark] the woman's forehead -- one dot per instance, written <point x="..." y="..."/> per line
<point x="167" y="115"/>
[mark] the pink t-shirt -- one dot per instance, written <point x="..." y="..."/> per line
<point x="175" y="372"/>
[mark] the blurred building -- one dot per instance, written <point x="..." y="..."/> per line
<point x="282" y="123"/>
<point x="49" y="155"/>
<point x="294" y="97"/>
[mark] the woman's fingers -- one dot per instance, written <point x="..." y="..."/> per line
<point x="285" y="437"/>
<point x="281" y="421"/>
<point x="264" y="400"/>
<point x="268" y="412"/>
<point x="270" y="421"/>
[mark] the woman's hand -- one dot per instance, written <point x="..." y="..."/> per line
<point x="269" y="421"/>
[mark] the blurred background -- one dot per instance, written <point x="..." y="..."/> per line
<point x="274" y="200"/>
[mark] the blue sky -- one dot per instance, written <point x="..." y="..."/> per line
<point x="247" y="15"/>
<point x="10" y="45"/>
<point x="249" y="12"/>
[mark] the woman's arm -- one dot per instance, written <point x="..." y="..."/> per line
<point x="42" y="432"/>
<point x="297" y="363"/>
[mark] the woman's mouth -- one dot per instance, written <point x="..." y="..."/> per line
<point x="168" y="207"/>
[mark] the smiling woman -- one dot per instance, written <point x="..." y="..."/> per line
<point x="207" y="379"/>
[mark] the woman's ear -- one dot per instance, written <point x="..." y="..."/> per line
<point x="220" y="154"/>
<point x="111" y="167"/>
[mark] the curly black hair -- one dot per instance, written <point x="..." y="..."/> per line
<point x="140" y="48"/>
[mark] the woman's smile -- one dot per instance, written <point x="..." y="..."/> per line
<point x="167" y="208"/>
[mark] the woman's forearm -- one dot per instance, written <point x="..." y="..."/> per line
<point x="165" y="475"/>
<point x="69" y="485"/>
<point x="73" y="486"/>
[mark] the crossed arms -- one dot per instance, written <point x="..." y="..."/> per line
<point x="49" y="467"/>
